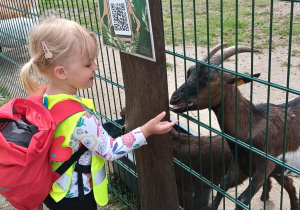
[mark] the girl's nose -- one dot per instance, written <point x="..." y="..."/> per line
<point x="95" y="66"/>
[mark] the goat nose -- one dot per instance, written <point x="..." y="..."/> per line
<point x="175" y="96"/>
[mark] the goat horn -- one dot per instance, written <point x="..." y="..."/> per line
<point x="216" y="60"/>
<point x="214" y="51"/>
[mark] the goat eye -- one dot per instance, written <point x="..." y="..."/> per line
<point x="188" y="73"/>
<point x="210" y="79"/>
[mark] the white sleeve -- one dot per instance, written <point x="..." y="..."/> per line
<point x="91" y="134"/>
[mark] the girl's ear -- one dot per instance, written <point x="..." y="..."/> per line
<point x="60" y="72"/>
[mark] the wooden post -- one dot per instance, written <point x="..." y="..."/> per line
<point x="146" y="95"/>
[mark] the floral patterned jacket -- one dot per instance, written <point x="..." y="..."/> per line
<point x="92" y="135"/>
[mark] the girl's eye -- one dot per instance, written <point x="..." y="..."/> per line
<point x="89" y="65"/>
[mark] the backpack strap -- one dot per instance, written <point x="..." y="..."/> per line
<point x="67" y="164"/>
<point x="64" y="109"/>
<point x="61" y="111"/>
<point x="38" y="98"/>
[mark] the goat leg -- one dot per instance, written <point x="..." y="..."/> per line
<point x="266" y="189"/>
<point x="201" y="197"/>
<point x="227" y="181"/>
<point x="256" y="183"/>
<point x="185" y="197"/>
<point x="290" y="188"/>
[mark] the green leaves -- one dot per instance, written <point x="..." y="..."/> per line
<point x="120" y="44"/>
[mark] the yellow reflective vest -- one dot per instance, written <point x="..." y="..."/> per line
<point x="61" y="187"/>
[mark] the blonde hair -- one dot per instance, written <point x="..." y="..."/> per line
<point x="61" y="37"/>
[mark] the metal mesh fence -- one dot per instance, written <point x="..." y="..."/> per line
<point x="192" y="29"/>
<point x="107" y="92"/>
<point x="201" y="155"/>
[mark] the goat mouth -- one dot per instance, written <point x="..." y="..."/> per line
<point x="181" y="107"/>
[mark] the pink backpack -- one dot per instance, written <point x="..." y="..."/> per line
<point x="27" y="149"/>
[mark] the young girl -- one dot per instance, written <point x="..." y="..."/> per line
<point x="64" y="52"/>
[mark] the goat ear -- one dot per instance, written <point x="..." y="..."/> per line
<point x="240" y="81"/>
<point x="245" y="80"/>
<point x="254" y="75"/>
<point x="230" y="78"/>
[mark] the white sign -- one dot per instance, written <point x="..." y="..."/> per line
<point x="119" y="17"/>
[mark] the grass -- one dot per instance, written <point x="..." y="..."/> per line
<point x="169" y="65"/>
<point x="4" y="101"/>
<point x="192" y="24"/>
<point x="296" y="53"/>
<point x="124" y="192"/>
<point x="72" y="5"/>
<point x="6" y="96"/>
<point x="285" y="64"/>
<point x="84" y="12"/>
<point x="198" y="22"/>
<point x="4" y="92"/>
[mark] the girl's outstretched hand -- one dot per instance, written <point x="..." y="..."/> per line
<point x="155" y="126"/>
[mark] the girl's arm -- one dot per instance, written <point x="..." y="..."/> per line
<point x="92" y="135"/>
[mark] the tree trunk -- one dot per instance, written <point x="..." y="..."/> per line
<point x="146" y="95"/>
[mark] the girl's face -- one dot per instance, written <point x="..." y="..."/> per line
<point x="82" y="68"/>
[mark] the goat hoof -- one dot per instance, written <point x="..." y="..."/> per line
<point x="262" y="198"/>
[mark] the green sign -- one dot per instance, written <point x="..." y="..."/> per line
<point x="126" y="26"/>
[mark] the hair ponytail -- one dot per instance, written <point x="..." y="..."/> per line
<point x="30" y="79"/>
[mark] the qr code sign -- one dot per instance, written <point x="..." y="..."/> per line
<point x="119" y="17"/>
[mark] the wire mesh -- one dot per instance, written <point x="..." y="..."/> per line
<point x="191" y="29"/>
<point x="108" y="89"/>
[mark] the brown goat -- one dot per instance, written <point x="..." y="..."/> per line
<point x="7" y="13"/>
<point x="188" y="153"/>
<point x="192" y="192"/>
<point x="186" y="149"/>
<point x="239" y="128"/>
